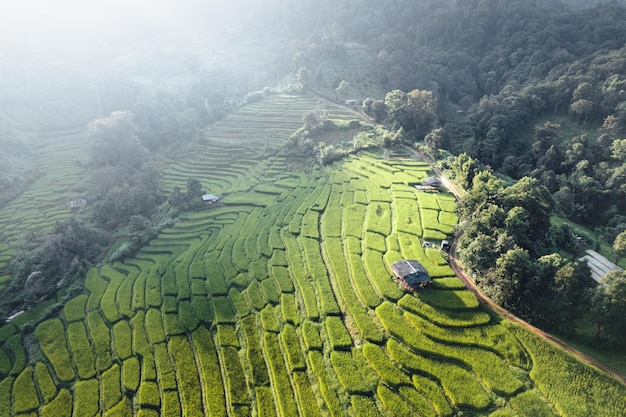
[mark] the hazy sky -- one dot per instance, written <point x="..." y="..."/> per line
<point x="71" y="25"/>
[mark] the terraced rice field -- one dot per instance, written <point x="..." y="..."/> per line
<point x="280" y="301"/>
<point x="46" y="201"/>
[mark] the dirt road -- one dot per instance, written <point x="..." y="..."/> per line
<point x="483" y="299"/>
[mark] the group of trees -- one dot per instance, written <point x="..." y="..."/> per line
<point x="414" y="113"/>
<point x="507" y="244"/>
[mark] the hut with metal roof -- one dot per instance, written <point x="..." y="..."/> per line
<point x="410" y="274"/>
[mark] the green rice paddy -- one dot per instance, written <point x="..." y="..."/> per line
<point x="281" y="302"/>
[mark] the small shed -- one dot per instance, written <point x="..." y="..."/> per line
<point x="431" y="182"/>
<point x="210" y="198"/>
<point x="445" y="245"/>
<point x="410" y="274"/>
<point x="77" y="203"/>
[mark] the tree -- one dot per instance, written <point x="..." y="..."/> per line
<point x="415" y="111"/>
<point x="343" y="90"/>
<point x="114" y="141"/>
<point x="608" y="308"/>
<point x="435" y="140"/>
<point x="513" y="269"/>
<point x="619" y="246"/>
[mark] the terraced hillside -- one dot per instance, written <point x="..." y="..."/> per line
<point x="280" y="301"/>
<point x="46" y="201"/>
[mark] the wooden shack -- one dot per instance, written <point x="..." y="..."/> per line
<point x="410" y="274"/>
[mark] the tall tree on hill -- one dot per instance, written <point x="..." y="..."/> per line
<point x="415" y="111"/>
<point x="619" y="246"/>
<point x="114" y="141"/>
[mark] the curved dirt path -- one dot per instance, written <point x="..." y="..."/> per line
<point x="486" y="301"/>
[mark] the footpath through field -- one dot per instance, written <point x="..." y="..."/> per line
<point x="469" y="283"/>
